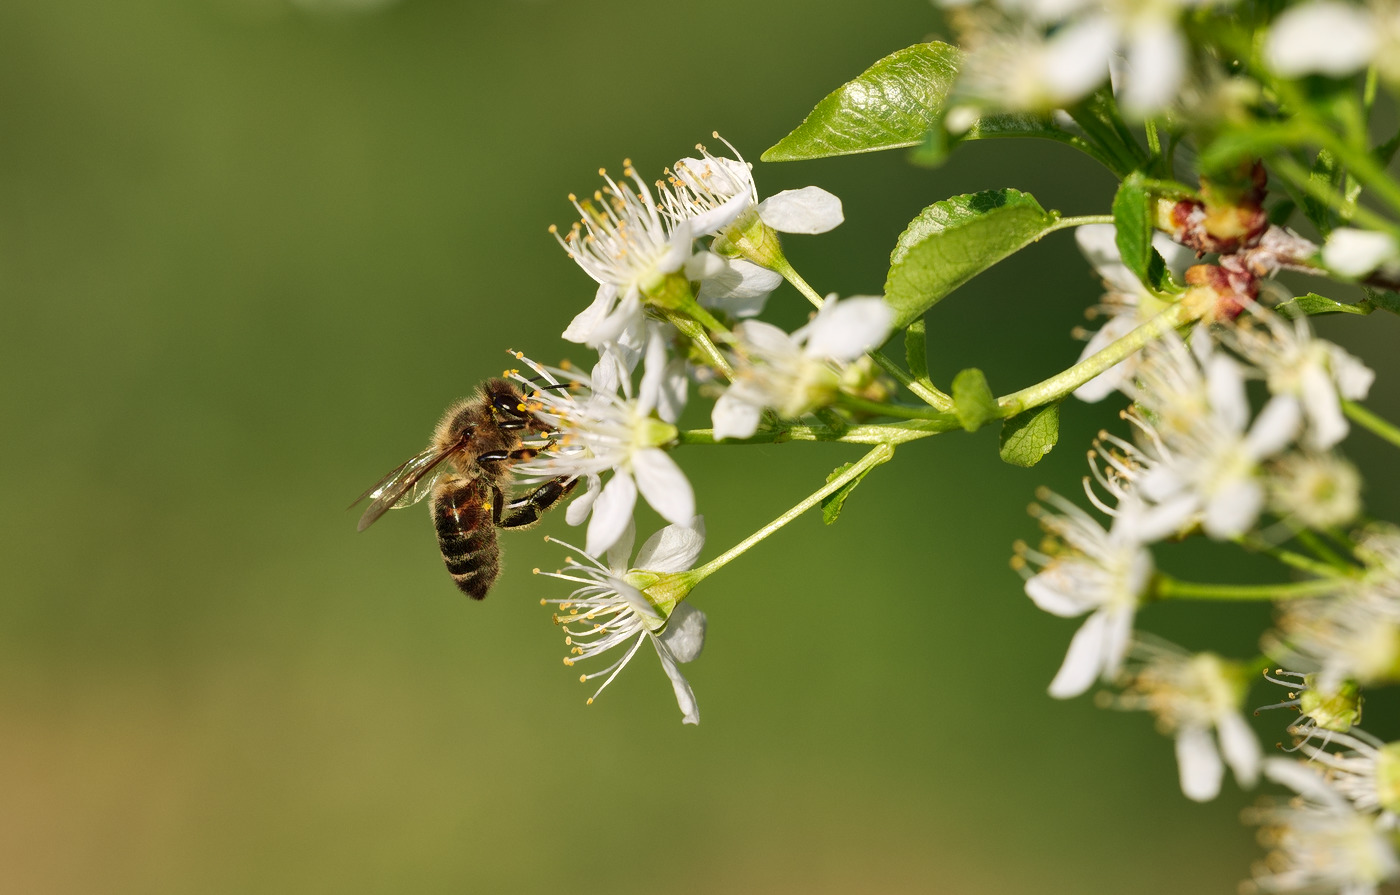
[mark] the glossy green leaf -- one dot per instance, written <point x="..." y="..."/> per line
<point x="973" y="401"/>
<point x="1028" y="437"/>
<point x="833" y="502"/>
<point x="1313" y="304"/>
<point x="1132" y="224"/>
<point x="891" y="105"/>
<point x="952" y="241"/>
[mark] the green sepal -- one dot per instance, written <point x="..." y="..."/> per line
<point x="1133" y="214"/>
<point x="1027" y="437"/>
<point x="833" y="502"/>
<point x="952" y="241"/>
<point x="891" y="105"/>
<point x="973" y="401"/>
<point x="1312" y="304"/>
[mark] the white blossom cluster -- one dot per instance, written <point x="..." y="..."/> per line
<point x="1201" y="459"/>
<point x="644" y="247"/>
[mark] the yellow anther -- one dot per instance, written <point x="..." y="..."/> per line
<point x="535" y="572"/>
<point x="603" y="172"/>
<point x="573" y="198"/>
<point x="627" y="163"/>
<point x="553" y="229"/>
<point x="568" y="661"/>
<point x="590" y="701"/>
<point x="582" y="678"/>
<point x="568" y="641"/>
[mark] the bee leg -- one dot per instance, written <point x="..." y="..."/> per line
<point x="526" y="511"/>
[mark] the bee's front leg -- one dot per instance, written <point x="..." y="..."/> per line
<point x="526" y="511"/>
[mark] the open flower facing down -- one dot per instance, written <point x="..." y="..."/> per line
<point x="798" y="373"/>
<point x="617" y="608"/>
<point x="1127" y="303"/>
<point x="1319" y="842"/>
<point x="1088" y="569"/>
<point x="738" y="277"/>
<point x="604" y="429"/>
<point x="1191" y="695"/>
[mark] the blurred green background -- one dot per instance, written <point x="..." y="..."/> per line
<point x="249" y="249"/>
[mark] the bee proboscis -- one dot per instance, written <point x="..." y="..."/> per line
<point x="466" y="469"/>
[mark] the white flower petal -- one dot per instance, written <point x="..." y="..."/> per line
<point x="674" y="548"/>
<point x="733" y="417"/>
<point x="1225" y="385"/>
<point x="1199" y="764"/>
<point x="1327" y="424"/>
<point x="703" y="265"/>
<point x="1324" y="37"/>
<point x="627" y="315"/>
<point x="685" y="632"/>
<point x="1047" y="592"/>
<point x="612" y="512"/>
<point x="1233" y="509"/>
<point x="1241" y="747"/>
<point x="1275" y="427"/>
<point x="1156" y="63"/>
<point x="653" y="372"/>
<point x="1098" y="243"/>
<point x="621" y="550"/>
<point x="578" y="509"/>
<point x="1353" y="377"/>
<point x="1118" y="633"/>
<point x="850" y="328"/>
<point x="808" y="210"/>
<point x="1304" y="780"/>
<point x="675" y="382"/>
<point x="716" y="219"/>
<point x="663" y="485"/>
<point x="740" y="288"/>
<point x="582" y="326"/>
<point x="1084" y="660"/>
<point x="1076" y="57"/>
<point x="685" y="697"/>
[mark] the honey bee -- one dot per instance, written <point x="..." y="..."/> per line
<point x="466" y="468"/>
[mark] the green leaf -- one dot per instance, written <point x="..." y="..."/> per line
<point x="1132" y="224"/>
<point x="973" y="401"/>
<point x="891" y="105"/>
<point x="1312" y="304"/>
<point x="1251" y="141"/>
<point x="952" y="241"/>
<point x="1325" y="171"/>
<point x="1029" y="436"/>
<point x="833" y="502"/>
<point x="1383" y="299"/>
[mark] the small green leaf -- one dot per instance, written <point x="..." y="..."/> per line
<point x="1029" y="436"/>
<point x="1324" y="171"/>
<point x="891" y="105"/>
<point x="952" y="241"/>
<point x="833" y="502"/>
<point x="1383" y="299"/>
<point x="973" y="400"/>
<point x="1132" y="225"/>
<point x="1313" y="304"/>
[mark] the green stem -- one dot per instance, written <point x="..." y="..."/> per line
<point x="898" y="410"/>
<point x="926" y="391"/>
<point x="882" y="433"/>
<point x="1324" y="192"/>
<point x="1079" y="221"/>
<point x="1369" y="420"/>
<point x="1061" y="384"/>
<point x="879" y="455"/>
<point x="1292" y="559"/>
<point x="1323" y="552"/>
<point x="1168" y="588"/>
<point x="696" y="331"/>
<point x="1363" y="165"/>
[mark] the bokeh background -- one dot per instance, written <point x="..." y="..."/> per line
<point x="249" y="249"/>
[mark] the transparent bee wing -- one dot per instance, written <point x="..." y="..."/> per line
<point x="405" y="485"/>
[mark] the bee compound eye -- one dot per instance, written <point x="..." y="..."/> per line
<point x="506" y="404"/>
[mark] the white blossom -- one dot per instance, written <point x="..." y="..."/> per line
<point x="1323" y="37"/>
<point x="699" y="186"/>
<point x="1318" y="491"/>
<point x="1205" y="455"/>
<point x="1127" y="304"/>
<point x="795" y="374"/>
<point x="611" y="610"/>
<point x="1309" y="374"/>
<point x="603" y="429"/>
<point x="1355" y="254"/>
<point x="1320" y="842"/>
<point x="624" y="242"/>
<point x="1328" y="710"/>
<point x="1197" y="700"/>
<point x="1092" y="569"/>
<point x="1367" y="773"/>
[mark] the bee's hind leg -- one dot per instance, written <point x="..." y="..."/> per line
<point x="526" y="511"/>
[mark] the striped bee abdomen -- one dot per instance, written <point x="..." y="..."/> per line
<point x="466" y="530"/>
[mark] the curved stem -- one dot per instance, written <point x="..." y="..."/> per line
<point x="877" y="456"/>
<point x="1168" y="588"/>
<point x="897" y="410"/>
<point x="1062" y="384"/>
<point x="885" y="433"/>
<point x="1294" y="560"/>
<point x="1078" y="221"/>
<point x="1369" y="420"/>
<point x="696" y="331"/>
